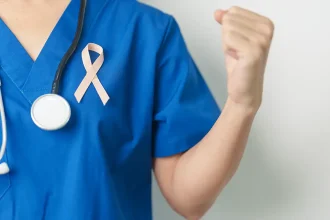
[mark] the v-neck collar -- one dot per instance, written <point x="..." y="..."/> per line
<point x="35" y="78"/>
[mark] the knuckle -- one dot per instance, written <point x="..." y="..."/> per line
<point x="263" y="42"/>
<point x="270" y="24"/>
<point x="269" y="27"/>
<point x="226" y="19"/>
<point x="234" y="9"/>
<point x="265" y="29"/>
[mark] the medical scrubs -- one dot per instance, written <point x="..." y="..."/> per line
<point x="99" y="166"/>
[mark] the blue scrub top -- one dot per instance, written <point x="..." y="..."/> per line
<point x="99" y="166"/>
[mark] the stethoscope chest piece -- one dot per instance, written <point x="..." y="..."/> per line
<point x="50" y="112"/>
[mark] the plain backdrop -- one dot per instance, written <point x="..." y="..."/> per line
<point x="285" y="172"/>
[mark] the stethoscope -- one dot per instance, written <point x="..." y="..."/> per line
<point x="50" y="111"/>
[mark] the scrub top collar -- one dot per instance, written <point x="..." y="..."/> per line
<point x="34" y="78"/>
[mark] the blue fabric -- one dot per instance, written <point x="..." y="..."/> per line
<point x="99" y="166"/>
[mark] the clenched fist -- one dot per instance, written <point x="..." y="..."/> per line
<point x="246" y="38"/>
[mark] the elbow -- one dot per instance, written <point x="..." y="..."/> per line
<point x="192" y="210"/>
<point x="193" y="213"/>
<point x="196" y="216"/>
<point x="193" y="202"/>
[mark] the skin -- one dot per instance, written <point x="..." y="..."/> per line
<point x="32" y="21"/>
<point x="191" y="181"/>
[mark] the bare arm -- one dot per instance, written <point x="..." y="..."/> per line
<point x="192" y="181"/>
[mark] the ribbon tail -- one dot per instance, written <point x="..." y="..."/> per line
<point x="101" y="91"/>
<point x="80" y="92"/>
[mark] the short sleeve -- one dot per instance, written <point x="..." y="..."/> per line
<point x="185" y="109"/>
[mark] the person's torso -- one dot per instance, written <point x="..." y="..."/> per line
<point x="99" y="165"/>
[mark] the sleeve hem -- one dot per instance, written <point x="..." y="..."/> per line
<point x="172" y="152"/>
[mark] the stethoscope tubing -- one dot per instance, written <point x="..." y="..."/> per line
<point x="4" y="169"/>
<point x="68" y="54"/>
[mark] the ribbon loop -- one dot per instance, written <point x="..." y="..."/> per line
<point x="91" y="71"/>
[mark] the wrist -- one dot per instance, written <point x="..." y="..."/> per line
<point x="241" y="109"/>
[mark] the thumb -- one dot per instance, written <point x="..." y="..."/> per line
<point x="219" y="14"/>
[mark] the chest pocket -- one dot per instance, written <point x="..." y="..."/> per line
<point x="4" y="180"/>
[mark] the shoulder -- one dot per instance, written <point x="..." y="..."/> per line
<point x="143" y="15"/>
<point x="138" y="8"/>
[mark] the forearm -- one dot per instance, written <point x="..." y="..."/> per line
<point x="203" y="171"/>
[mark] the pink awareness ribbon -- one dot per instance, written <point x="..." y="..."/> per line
<point x="91" y="71"/>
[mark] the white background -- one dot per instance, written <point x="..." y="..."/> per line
<point x="285" y="172"/>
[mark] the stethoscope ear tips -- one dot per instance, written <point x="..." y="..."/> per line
<point x="4" y="169"/>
